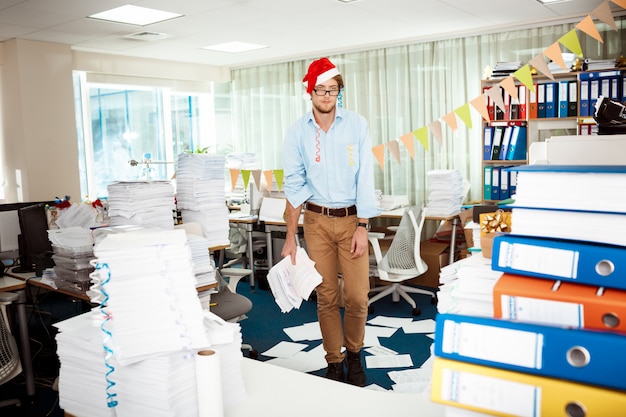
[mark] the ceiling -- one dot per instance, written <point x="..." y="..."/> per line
<point x="291" y="29"/>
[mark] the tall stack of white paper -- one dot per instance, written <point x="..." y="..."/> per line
<point x="445" y="196"/>
<point x="202" y="260"/>
<point x="142" y="203"/>
<point x="201" y="196"/>
<point x="136" y="354"/>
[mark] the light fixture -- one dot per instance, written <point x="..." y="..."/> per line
<point x="135" y="15"/>
<point x="552" y="1"/>
<point x="234" y="47"/>
<point x="347" y="1"/>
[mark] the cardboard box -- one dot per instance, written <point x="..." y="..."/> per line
<point x="436" y="255"/>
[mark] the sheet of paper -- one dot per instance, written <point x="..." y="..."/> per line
<point x="391" y="361"/>
<point x="420" y="326"/>
<point x="395" y="322"/>
<point x="307" y="331"/>
<point x="285" y="349"/>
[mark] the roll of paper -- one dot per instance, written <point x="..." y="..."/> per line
<point x="209" y="384"/>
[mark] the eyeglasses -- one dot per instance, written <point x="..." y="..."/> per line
<point x="323" y="92"/>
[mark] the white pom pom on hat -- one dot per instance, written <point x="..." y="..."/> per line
<point x="319" y="71"/>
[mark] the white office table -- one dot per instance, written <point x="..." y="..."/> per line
<point x="280" y="392"/>
<point x="18" y="286"/>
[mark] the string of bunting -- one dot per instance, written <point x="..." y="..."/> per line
<point x="269" y="175"/>
<point x="524" y="75"/>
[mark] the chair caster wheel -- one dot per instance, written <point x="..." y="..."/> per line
<point x="370" y="309"/>
<point x="253" y="354"/>
<point x="416" y="311"/>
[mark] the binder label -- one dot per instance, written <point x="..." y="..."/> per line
<point x="533" y="310"/>
<point x="539" y="259"/>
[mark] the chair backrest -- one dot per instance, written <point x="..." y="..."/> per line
<point x="403" y="256"/>
<point x="10" y="365"/>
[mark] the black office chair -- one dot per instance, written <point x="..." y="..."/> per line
<point x="10" y="365"/>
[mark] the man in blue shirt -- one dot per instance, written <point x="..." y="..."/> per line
<point x="328" y="167"/>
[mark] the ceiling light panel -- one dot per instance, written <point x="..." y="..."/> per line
<point x="135" y="15"/>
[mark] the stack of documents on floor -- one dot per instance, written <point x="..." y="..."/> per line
<point x="201" y="196"/>
<point x="445" y="192"/>
<point x="390" y="202"/>
<point x="290" y="284"/>
<point x="143" y="203"/>
<point x="202" y="260"/>
<point x="554" y="340"/>
<point x="137" y="354"/>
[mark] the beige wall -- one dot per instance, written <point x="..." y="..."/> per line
<point x="37" y="123"/>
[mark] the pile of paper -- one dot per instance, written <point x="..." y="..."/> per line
<point x="390" y="202"/>
<point x="446" y="194"/>
<point x="201" y="195"/>
<point x="143" y="203"/>
<point x="290" y="284"/>
<point x="202" y="260"/>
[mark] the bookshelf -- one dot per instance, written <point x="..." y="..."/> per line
<point x="563" y="106"/>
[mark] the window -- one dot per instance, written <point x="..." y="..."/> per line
<point x="118" y="123"/>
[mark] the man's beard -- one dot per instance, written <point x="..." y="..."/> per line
<point x="325" y="108"/>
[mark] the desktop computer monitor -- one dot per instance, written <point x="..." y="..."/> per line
<point x="35" y="247"/>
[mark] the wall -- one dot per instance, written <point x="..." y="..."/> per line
<point x="37" y="124"/>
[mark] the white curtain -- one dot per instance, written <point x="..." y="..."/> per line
<point x="399" y="89"/>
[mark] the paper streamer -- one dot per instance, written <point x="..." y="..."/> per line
<point x="209" y="384"/>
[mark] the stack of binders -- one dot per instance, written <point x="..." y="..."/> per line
<point x="553" y="346"/>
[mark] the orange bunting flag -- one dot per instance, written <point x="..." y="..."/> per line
<point x="435" y="127"/>
<point x="245" y="174"/>
<point x="525" y="76"/>
<point x="479" y="104"/>
<point x="464" y="114"/>
<point x="539" y="62"/>
<point x="509" y="85"/>
<point x="620" y="3"/>
<point x="379" y="153"/>
<point x="408" y="140"/>
<point x="421" y="135"/>
<point x="234" y="176"/>
<point x="450" y="120"/>
<point x="554" y="53"/>
<point x="495" y="94"/>
<point x="279" y="174"/>
<point x="256" y="174"/>
<point x="587" y="26"/>
<point x="394" y="149"/>
<point x="571" y="42"/>
<point x="603" y="12"/>
<point x="268" y="179"/>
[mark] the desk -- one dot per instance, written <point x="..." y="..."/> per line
<point x="454" y="218"/>
<point x="8" y="283"/>
<point x="282" y="392"/>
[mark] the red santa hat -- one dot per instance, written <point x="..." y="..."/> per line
<point x="319" y="71"/>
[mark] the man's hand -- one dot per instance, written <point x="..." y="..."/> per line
<point x="289" y="249"/>
<point x="359" y="245"/>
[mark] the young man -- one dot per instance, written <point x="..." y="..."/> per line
<point x="328" y="167"/>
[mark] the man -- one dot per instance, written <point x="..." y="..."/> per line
<point x="328" y="168"/>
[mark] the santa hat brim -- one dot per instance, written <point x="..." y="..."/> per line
<point x="325" y="76"/>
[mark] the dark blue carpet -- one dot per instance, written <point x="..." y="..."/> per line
<point x="265" y="323"/>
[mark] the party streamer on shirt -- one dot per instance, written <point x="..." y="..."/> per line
<point x="317" y="145"/>
<point x="108" y="351"/>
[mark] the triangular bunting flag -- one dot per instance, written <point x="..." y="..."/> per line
<point x="525" y="76"/>
<point x="450" y="120"/>
<point x="554" y="53"/>
<point x="571" y="42"/>
<point x="587" y="26"/>
<point x="279" y="175"/>
<point x="509" y="85"/>
<point x="479" y="104"/>
<point x="268" y="179"/>
<point x="495" y="94"/>
<point x="539" y="62"/>
<point x="394" y="149"/>
<point x="421" y="135"/>
<point x="464" y="114"/>
<point x="620" y="3"/>
<point x="256" y="174"/>
<point x="435" y="127"/>
<point x="408" y="140"/>
<point x="234" y="176"/>
<point x="379" y="153"/>
<point x="603" y="12"/>
<point x="245" y="174"/>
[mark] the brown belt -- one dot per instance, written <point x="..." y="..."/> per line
<point x="331" y="212"/>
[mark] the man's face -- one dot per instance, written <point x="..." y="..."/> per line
<point x="322" y="99"/>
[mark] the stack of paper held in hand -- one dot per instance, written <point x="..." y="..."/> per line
<point x="290" y="283"/>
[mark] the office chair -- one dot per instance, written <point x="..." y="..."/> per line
<point x="10" y="365"/>
<point x="401" y="262"/>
